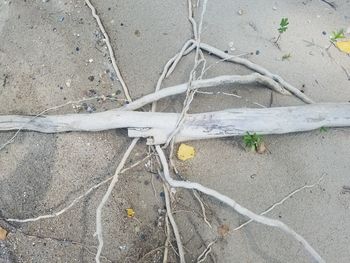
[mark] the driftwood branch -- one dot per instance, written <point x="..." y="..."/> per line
<point x="216" y="82"/>
<point x="231" y="122"/>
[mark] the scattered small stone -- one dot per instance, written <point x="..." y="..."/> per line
<point x="324" y="33"/>
<point x="123" y="247"/>
<point x="226" y="51"/>
<point x="60" y="19"/>
<point x="121" y="24"/>
<point x="240" y="12"/>
<point x="274" y="8"/>
<point x="54" y="29"/>
<point x="91" y="78"/>
<point x="61" y="88"/>
<point x="161" y="194"/>
<point x="118" y="92"/>
<point x="68" y="83"/>
<point x="109" y="9"/>
<point x="137" y="33"/>
<point x="91" y="93"/>
<point x="77" y="49"/>
<point x="90" y="109"/>
<point x="91" y="60"/>
<point x="257" y="52"/>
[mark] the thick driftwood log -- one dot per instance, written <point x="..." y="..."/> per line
<point x="231" y="122"/>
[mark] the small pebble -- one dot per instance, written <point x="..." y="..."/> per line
<point x="257" y="52"/>
<point x="274" y="8"/>
<point x="240" y="12"/>
<point x="162" y="194"/>
<point x="60" y="19"/>
<point x="91" y="78"/>
<point x="77" y="49"/>
<point x="226" y="51"/>
<point x="91" y="60"/>
<point x="324" y="33"/>
<point x="90" y="109"/>
<point x="68" y="82"/>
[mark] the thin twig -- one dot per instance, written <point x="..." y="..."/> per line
<point x="237" y="207"/>
<point x="282" y="201"/>
<point x="76" y="200"/>
<point x="203" y="256"/>
<point x="203" y="208"/>
<point x="106" y="196"/>
<point x="166" y="244"/>
<point x="110" y="50"/>
<point x="174" y="225"/>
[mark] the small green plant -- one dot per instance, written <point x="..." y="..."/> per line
<point x="283" y="27"/>
<point x="336" y="35"/>
<point x="286" y="56"/>
<point x="252" y="141"/>
<point x="323" y="129"/>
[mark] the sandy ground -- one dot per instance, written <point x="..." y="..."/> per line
<point x="52" y="52"/>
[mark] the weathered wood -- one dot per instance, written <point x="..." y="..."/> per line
<point x="231" y="122"/>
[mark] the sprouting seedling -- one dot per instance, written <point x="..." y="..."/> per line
<point x="252" y="141"/>
<point x="286" y="56"/>
<point x="323" y="129"/>
<point x="283" y="27"/>
<point x="336" y="35"/>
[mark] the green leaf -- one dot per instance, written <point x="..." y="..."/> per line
<point x="337" y="35"/>
<point x="283" y="25"/>
<point x="323" y="129"/>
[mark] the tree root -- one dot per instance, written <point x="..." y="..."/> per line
<point x="237" y="207"/>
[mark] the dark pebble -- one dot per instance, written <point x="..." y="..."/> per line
<point x="226" y="51"/>
<point x="61" y="88"/>
<point x="302" y="91"/>
<point x="118" y="92"/>
<point x="77" y="48"/>
<point x="257" y="52"/>
<point x="324" y="33"/>
<point x="91" y="78"/>
<point x="162" y="194"/>
<point x="121" y="24"/>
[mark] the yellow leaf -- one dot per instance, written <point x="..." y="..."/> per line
<point x="3" y="233"/>
<point x="344" y="46"/>
<point x="185" y="152"/>
<point x="130" y="212"/>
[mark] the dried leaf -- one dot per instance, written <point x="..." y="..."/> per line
<point x="343" y="46"/>
<point x="223" y="230"/>
<point x="130" y="212"/>
<point x="185" y="152"/>
<point x="3" y="233"/>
